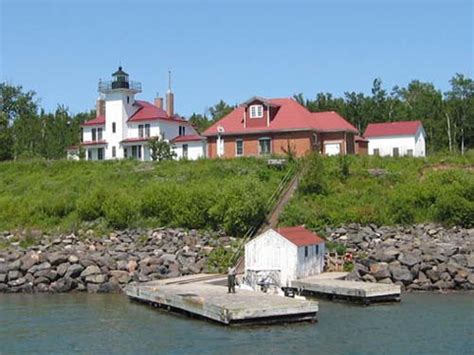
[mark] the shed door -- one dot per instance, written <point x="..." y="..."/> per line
<point x="332" y="148"/>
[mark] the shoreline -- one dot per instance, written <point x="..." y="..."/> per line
<point x="420" y="258"/>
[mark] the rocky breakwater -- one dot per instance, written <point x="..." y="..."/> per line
<point x="86" y="263"/>
<point x="419" y="257"/>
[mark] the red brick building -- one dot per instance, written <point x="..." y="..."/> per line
<point x="262" y="126"/>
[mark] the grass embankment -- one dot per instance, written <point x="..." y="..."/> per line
<point x="365" y="190"/>
<point x="62" y="195"/>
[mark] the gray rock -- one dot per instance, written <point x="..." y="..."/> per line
<point x="401" y="274"/>
<point x="96" y="279"/>
<point x="433" y="275"/>
<point x="74" y="270"/>
<point x="15" y="265"/>
<point x="3" y="278"/>
<point x="62" y="269"/>
<point x="57" y="258"/>
<point x="92" y="288"/>
<point x="39" y="267"/>
<point x="369" y="278"/>
<point x="380" y="270"/>
<point x="73" y="259"/>
<point x="28" y="260"/>
<point x="387" y="281"/>
<point x="122" y="277"/>
<point x="49" y="273"/>
<point x="62" y="285"/>
<point x="90" y="270"/>
<point x="41" y="280"/>
<point x="14" y="274"/>
<point x="17" y="282"/>
<point x="409" y="259"/>
<point x="42" y="288"/>
<point x="4" y="268"/>
<point x="470" y="261"/>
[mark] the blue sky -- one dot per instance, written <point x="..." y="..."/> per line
<point x="231" y="50"/>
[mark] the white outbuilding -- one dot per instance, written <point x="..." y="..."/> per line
<point x="403" y="138"/>
<point x="283" y="255"/>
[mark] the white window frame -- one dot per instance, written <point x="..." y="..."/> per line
<point x="256" y="111"/>
<point x="236" y="150"/>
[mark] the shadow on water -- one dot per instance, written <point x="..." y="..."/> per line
<point x="421" y="323"/>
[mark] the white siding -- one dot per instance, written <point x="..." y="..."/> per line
<point x="312" y="264"/>
<point x="196" y="149"/>
<point x="386" y="144"/>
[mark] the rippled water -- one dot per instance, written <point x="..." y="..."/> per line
<point x="421" y="323"/>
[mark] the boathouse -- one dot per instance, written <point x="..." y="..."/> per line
<point x="281" y="255"/>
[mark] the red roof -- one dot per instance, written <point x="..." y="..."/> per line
<point x="188" y="138"/>
<point x="94" y="142"/>
<point x="300" y="236"/>
<point x="149" y="112"/>
<point x="401" y="128"/>
<point x="132" y="140"/>
<point x="98" y="121"/>
<point x="290" y="115"/>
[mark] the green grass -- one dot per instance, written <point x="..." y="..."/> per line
<point x="412" y="190"/>
<point x="63" y="195"/>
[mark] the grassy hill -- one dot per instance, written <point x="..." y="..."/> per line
<point x="62" y="195"/>
<point x="377" y="190"/>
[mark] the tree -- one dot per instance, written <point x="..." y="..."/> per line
<point x="160" y="149"/>
<point x="220" y="110"/>
<point x="460" y="108"/>
<point x="200" y="122"/>
<point x="6" y="139"/>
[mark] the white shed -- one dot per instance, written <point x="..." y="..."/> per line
<point x="284" y="254"/>
<point x="403" y="138"/>
<point x="189" y="147"/>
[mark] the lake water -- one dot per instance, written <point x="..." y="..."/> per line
<point x="421" y="323"/>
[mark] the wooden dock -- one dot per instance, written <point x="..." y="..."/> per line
<point x="205" y="296"/>
<point x="331" y="286"/>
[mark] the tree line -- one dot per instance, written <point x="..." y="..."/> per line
<point x="26" y="130"/>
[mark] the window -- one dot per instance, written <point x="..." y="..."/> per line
<point x="125" y="152"/>
<point x="137" y="151"/>
<point x="264" y="146"/>
<point x="82" y="135"/>
<point x="396" y="152"/>
<point x="185" y="151"/>
<point x="100" y="154"/>
<point x="89" y="155"/>
<point x="182" y="131"/>
<point x="140" y="131"/>
<point x="147" y="130"/>
<point x="113" y="127"/>
<point x="128" y="99"/>
<point x="94" y="134"/>
<point x="410" y="152"/>
<point x="239" y="147"/>
<point x="305" y="252"/>
<point x="376" y="152"/>
<point x="316" y="249"/>
<point x="114" y="152"/>
<point x="99" y="134"/>
<point x="256" y="111"/>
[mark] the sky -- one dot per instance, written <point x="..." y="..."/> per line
<point x="230" y="50"/>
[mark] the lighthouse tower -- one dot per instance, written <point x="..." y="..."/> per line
<point x="119" y="97"/>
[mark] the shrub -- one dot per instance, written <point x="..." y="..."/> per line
<point x="89" y="207"/>
<point x="158" y="201"/>
<point x="120" y="210"/>
<point x="313" y="180"/>
<point x="453" y="209"/>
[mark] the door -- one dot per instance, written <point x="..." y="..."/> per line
<point x="332" y="148"/>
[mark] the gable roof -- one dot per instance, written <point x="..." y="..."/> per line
<point x="300" y="236"/>
<point x="289" y="116"/>
<point x="187" y="138"/>
<point x="98" y="121"/>
<point x="148" y="112"/>
<point x="400" y="128"/>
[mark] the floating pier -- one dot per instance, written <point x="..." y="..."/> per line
<point x="205" y="296"/>
<point x="331" y="286"/>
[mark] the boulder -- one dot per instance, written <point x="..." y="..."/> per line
<point x="57" y="258"/>
<point x="433" y="275"/>
<point x="380" y="270"/>
<point x="369" y="278"/>
<point x="14" y="274"/>
<point x="73" y="259"/>
<point x="14" y="265"/>
<point x="49" y="273"/>
<point x="401" y="274"/>
<point x="92" y="288"/>
<point x="121" y="276"/>
<point x="74" y="270"/>
<point x="409" y="259"/>
<point x="17" y="282"/>
<point x="132" y="266"/>
<point x="90" y="270"/>
<point x="470" y="261"/>
<point x="62" y="269"/>
<point x="41" y="288"/>
<point x="4" y="268"/>
<point x="387" y="281"/>
<point x="39" y="267"/>
<point x="96" y="278"/>
<point x="389" y="254"/>
<point x="28" y="260"/>
<point x="3" y="278"/>
<point x="41" y="280"/>
<point x="62" y="285"/>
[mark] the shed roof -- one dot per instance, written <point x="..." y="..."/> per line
<point x="300" y="236"/>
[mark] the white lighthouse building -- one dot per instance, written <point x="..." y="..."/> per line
<point x="124" y="125"/>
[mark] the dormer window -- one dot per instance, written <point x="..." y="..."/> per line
<point x="256" y="111"/>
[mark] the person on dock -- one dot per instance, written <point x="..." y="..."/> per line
<point x="231" y="280"/>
